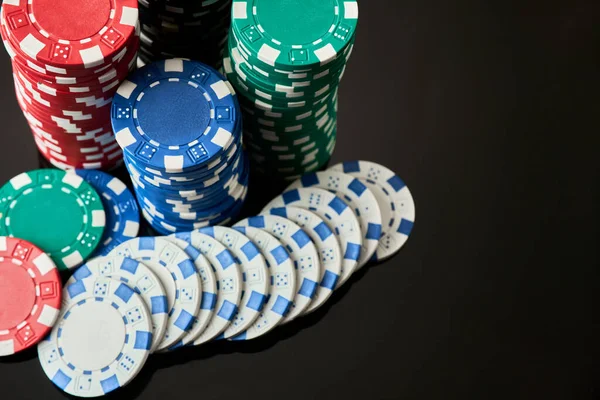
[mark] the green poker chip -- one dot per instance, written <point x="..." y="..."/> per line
<point x="57" y="211"/>
<point x="293" y="34"/>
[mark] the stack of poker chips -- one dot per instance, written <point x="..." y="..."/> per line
<point x="286" y="61"/>
<point x="68" y="61"/>
<point x="178" y="123"/>
<point x="178" y="28"/>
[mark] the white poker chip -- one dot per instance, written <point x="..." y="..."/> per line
<point x="229" y="286"/>
<point x="335" y="212"/>
<point x="209" y="292"/>
<point x="101" y="340"/>
<point x="255" y="276"/>
<point x="395" y="202"/>
<point x="178" y="276"/>
<point x="283" y="282"/>
<point x="358" y="197"/>
<point x="138" y="277"/>
<point x="302" y="252"/>
<point x="327" y="245"/>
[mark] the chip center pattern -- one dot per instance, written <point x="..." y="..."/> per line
<point x="183" y="118"/>
<point x="295" y="22"/>
<point x="69" y="20"/>
<point x="17" y="295"/>
<point x="49" y="208"/>
<point x="92" y="336"/>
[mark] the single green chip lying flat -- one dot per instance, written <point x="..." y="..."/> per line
<point x="57" y="211"/>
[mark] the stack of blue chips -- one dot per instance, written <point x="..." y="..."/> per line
<point x="179" y="125"/>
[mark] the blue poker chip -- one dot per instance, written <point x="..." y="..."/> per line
<point x="179" y="125"/>
<point x="122" y="213"/>
<point x="175" y="114"/>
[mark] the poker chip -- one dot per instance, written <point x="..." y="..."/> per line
<point x="335" y="212"/>
<point x="283" y="283"/>
<point x="303" y="253"/>
<point x="139" y="278"/>
<point x="67" y="64"/>
<point x="327" y="246"/>
<point x="229" y="287"/>
<point x="178" y="28"/>
<point x="57" y="211"/>
<point x="102" y="338"/>
<point x="30" y="295"/>
<point x="209" y="291"/>
<point x="255" y="272"/>
<point x="122" y="213"/>
<point x="286" y="61"/>
<point x="178" y="276"/>
<point x="395" y="202"/>
<point x="357" y="196"/>
<point x="179" y="126"/>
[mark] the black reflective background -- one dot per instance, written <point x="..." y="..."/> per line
<point x="490" y="112"/>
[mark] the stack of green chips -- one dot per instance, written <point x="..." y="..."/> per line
<point x="286" y="60"/>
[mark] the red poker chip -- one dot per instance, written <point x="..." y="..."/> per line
<point x="108" y="163"/>
<point x="30" y="295"/>
<point x="63" y="75"/>
<point x="87" y="161"/>
<point x="75" y="86"/>
<point x="84" y="120"/>
<point x="89" y="148"/>
<point x="58" y="33"/>
<point x="85" y="102"/>
<point x="56" y="123"/>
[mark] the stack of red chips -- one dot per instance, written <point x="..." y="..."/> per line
<point x="68" y="59"/>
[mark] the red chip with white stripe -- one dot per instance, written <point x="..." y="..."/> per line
<point x="30" y="295"/>
<point x="75" y="35"/>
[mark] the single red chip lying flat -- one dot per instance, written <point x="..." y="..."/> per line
<point x="30" y="295"/>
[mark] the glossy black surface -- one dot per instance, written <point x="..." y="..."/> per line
<point x="489" y="111"/>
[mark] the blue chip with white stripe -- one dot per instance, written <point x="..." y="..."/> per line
<point x="337" y="215"/>
<point x="255" y="276"/>
<point x="303" y="253"/>
<point x="122" y="213"/>
<point x="282" y="282"/>
<point x="229" y="282"/>
<point x="327" y="245"/>
<point x="174" y="115"/>
<point x="138" y="277"/>
<point x="179" y="277"/>
<point x="357" y="196"/>
<point x="101" y="340"/>
<point x="395" y="202"/>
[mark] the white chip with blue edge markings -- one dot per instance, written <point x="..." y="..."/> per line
<point x="283" y="282"/>
<point x="255" y="276"/>
<point x="327" y="245"/>
<point x="178" y="276"/>
<point x="101" y="340"/>
<point x="229" y="282"/>
<point x="337" y="215"/>
<point x="359" y="197"/>
<point x="209" y="291"/>
<point x="302" y="252"/>
<point x="138" y="277"/>
<point x="395" y="201"/>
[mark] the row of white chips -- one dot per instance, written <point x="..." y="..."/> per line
<point x="158" y="294"/>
